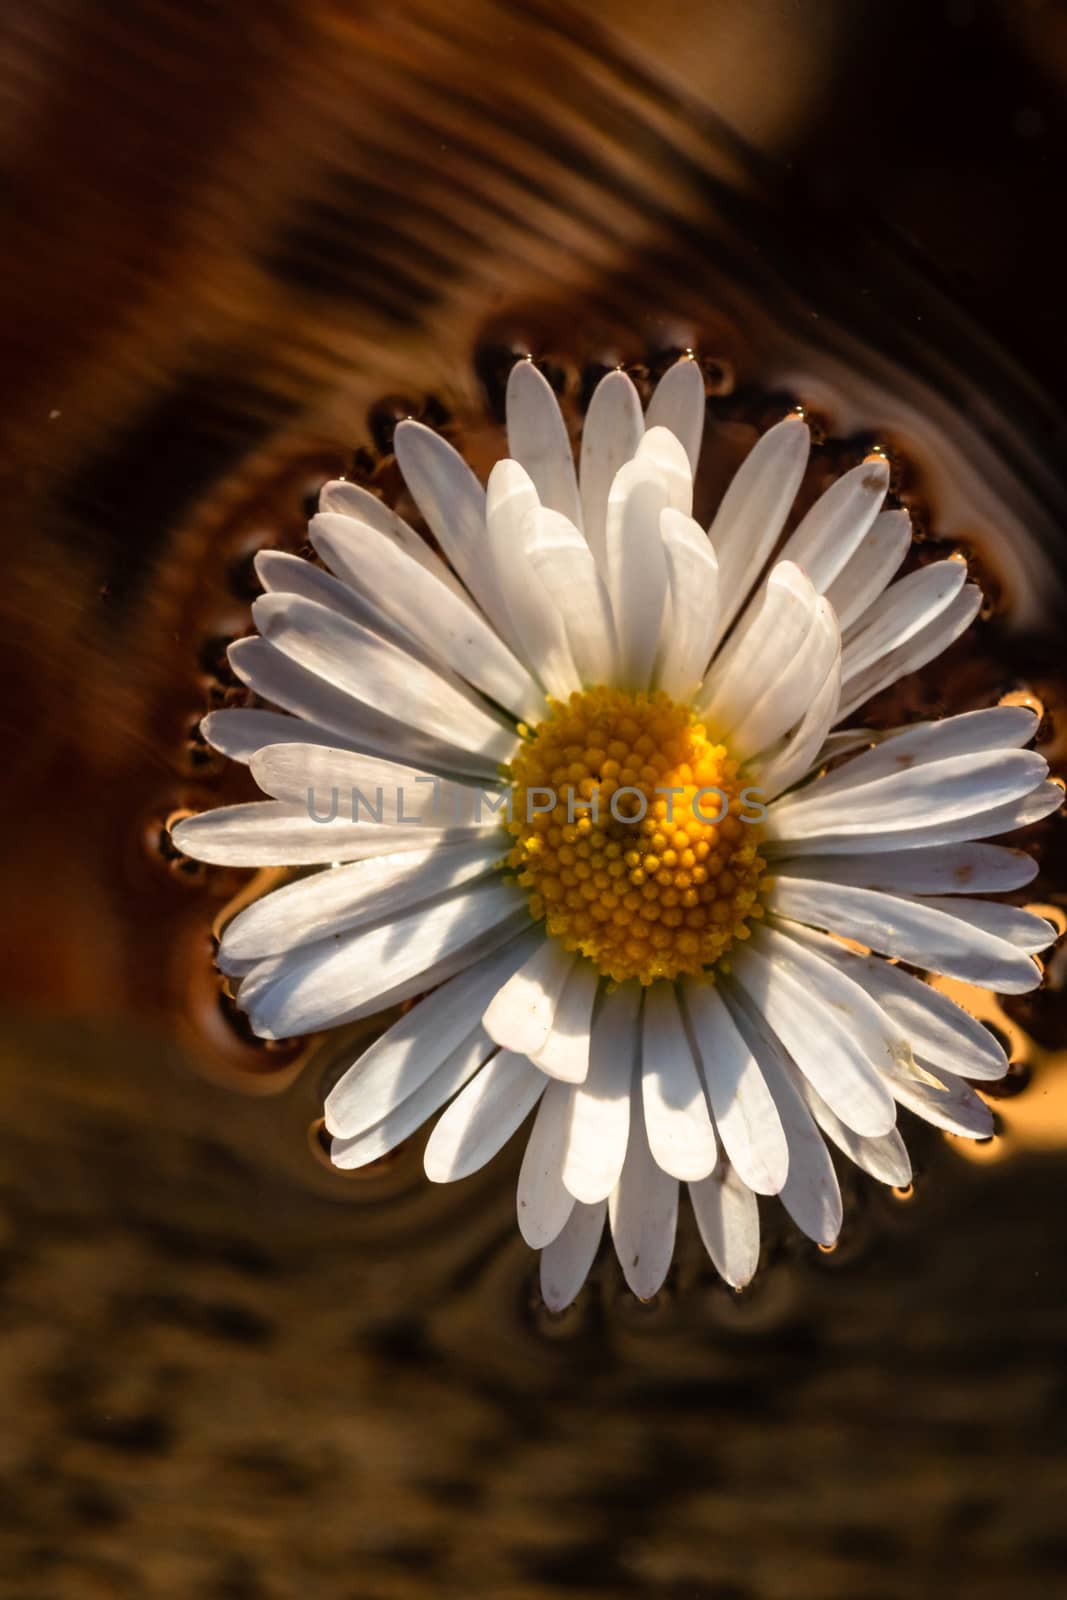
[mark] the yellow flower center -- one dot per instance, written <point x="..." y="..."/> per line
<point x="634" y="835"/>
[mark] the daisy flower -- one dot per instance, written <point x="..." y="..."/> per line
<point x="602" y="825"/>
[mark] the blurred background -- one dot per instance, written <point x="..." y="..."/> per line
<point x="240" y="241"/>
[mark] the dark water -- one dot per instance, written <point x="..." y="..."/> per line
<point x="242" y="241"/>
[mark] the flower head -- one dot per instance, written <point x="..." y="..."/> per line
<point x="595" y="815"/>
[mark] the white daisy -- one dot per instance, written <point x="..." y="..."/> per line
<point x="667" y="994"/>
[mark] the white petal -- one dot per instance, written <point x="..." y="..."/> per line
<point x="885" y="1158"/>
<point x="613" y="430"/>
<point x="955" y="1108"/>
<point x="667" y="454"/>
<point x="449" y="628"/>
<point x="811" y="1193"/>
<point x="822" y="1047"/>
<point x="509" y="497"/>
<point x="1020" y="928"/>
<point x="271" y="674"/>
<point x="900" y="613"/>
<point x="1029" y="808"/>
<point x="565" y="1053"/>
<point x="746" y="1116"/>
<point x="349" y="500"/>
<point x="973" y="733"/>
<point x="482" y="1118"/>
<point x="940" y="869"/>
<point x="565" y="1263"/>
<point x="539" y="631"/>
<point x="453" y="503"/>
<point x="761" y="647"/>
<point x="538" y="440"/>
<point x="319" y="984"/>
<point x="643" y="1210"/>
<point x="843" y="743"/>
<point x="838" y="522"/>
<point x="728" y="1222"/>
<point x="688" y="629"/>
<point x="402" y="1058"/>
<point x="367" y="788"/>
<point x="791" y="686"/>
<point x="542" y="1202"/>
<point x="263" y="974"/>
<point x="519" y="1016"/>
<point x="922" y="647"/>
<point x="677" y="1121"/>
<point x="239" y="733"/>
<point x="870" y="1030"/>
<point x="914" y="797"/>
<point x="940" y="1031"/>
<point x="909" y="930"/>
<point x="777" y="769"/>
<point x="370" y="669"/>
<point x="600" y="1115"/>
<point x="417" y="1105"/>
<point x="753" y="511"/>
<point x="331" y="902"/>
<point x="258" y="978"/>
<point x="566" y="567"/>
<point x="281" y="573"/>
<point x="679" y="403"/>
<point x="869" y="569"/>
<point x="637" y="567"/>
<point x="269" y="833"/>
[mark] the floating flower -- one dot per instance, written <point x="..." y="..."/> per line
<point x="595" y="814"/>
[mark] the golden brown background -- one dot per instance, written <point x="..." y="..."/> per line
<point x="239" y="240"/>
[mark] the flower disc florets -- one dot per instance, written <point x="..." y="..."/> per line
<point x="635" y="835"/>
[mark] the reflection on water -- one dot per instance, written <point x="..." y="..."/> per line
<point x="247" y="244"/>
